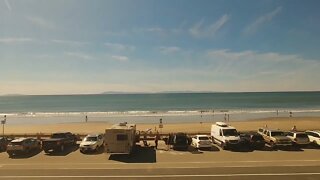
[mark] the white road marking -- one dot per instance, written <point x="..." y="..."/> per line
<point x="171" y="176"/>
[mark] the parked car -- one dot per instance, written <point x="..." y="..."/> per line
<point x="179" y="141"/>
<point x="299" y="138"/>
<point x="252" y="141"/>
<point x="91" y="142"/>
<point x="275" y="138"/>
<point x="23" y="146"/>
<point x="4" y="141"/>
<point x="314" y="137"/>
<point x="201" y="141"/>
<point x="59" y="141"/>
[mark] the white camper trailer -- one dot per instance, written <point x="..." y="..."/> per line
<point x="120" y="138"/>
<point x="224" y="135"/>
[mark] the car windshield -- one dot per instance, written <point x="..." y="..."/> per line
<point x="204" y="138"/>
<point x="277" y="133"/>
<point x="230" y="132"/>
<point x="302" y="135"/>
<point x="90" y="139"/>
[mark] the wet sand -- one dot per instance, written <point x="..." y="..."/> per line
<point x="302" y="123"/>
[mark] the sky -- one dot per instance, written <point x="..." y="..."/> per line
<point x="88" y="47"/>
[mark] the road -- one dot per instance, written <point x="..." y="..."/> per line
<point x="147" y="163"/>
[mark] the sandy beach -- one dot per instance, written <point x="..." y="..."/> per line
<point x="302" y="123"/>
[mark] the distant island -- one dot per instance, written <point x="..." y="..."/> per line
<point x="160" y="92"/>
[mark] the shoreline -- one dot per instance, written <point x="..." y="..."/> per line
<point x="283" y="123"/>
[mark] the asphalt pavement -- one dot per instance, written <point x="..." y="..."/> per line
<point x="165" y="163"/>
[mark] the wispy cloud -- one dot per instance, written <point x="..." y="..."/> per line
<point x="80" y="55"/>
<point x="41" y="22"/>
<point x="169" y="50"/>
<point x="8" y="5"/>
<point x="13" y="40"/>
<point x="254" y="26"/>
<point x="119" y="47"/>
<point x="251" y="64"/>
<point x="69" y="43"/>
<point x="200" y="30"/>
<point x="120" y="58"/>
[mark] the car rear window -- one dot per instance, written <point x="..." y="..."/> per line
<point x="16" y="143"/>
<point x="203" y="138"/>
<point x="301" y="135"/>
<point x="277" y="133"/>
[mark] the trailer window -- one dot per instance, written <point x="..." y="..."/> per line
<point x="122" y="137"/>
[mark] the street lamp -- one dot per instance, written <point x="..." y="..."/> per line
<point x="3" y="122"/>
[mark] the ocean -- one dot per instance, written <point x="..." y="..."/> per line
<point x="149" y="108"/>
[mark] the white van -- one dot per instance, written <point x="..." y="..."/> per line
<point x="224" y="135"/>
<point x="120" y="138"/>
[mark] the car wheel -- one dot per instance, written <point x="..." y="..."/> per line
<point x="223" y="146"/>
<point x="273" y="146"/>
<point x="10" y="154"/>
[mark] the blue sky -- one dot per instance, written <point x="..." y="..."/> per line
<point x="80" y="46"/>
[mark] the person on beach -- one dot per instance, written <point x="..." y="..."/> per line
<point x="86" y="118"/>
<point x="294" y="128"/>
<point x="156" y="140"/>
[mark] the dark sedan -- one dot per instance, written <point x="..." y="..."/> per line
<point x="252" y="141"/>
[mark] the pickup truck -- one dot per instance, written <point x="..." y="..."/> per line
<point x="59" y="141"/>
<point x="275" y="138"/>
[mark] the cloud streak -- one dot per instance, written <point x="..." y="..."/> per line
<point x="79" y="55"/>
<point x="13" y="40"/>
<point x="254" y="26"/>
<point x="119" y="47"/>
<point x="70" y="43"/>
<point x="120" y="58"/>
<point x="8" y="5"/>
<point x="199" y="30"/>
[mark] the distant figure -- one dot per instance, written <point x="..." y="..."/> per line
<point x="86" y="118"/>
<point x="157" y="139"/>
<point x="225" y="117"/>
<point x="145" y="142"/>
<point x="290" y="113"/>
<point x="277" y="112"/>
<point x="294" y="128"/>
<point x="228" y="118"/>
<point x="266" y="126"/>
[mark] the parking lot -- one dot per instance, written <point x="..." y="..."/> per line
<point x="146" y="162"/>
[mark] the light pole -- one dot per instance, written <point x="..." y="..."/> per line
<point x="3" y="122"/>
